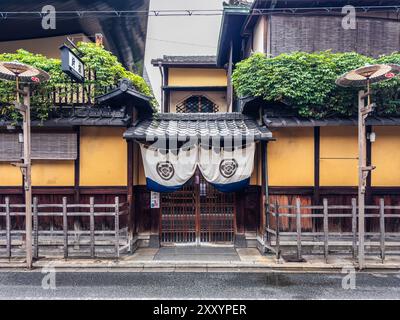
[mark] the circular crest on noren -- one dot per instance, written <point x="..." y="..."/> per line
<point x="165" y="170"/>
<point x="24" y="73"/>
<point x="228" y="167"/>
<point x="369" y="74"/>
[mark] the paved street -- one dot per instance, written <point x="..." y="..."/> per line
<point x="129" y="285"/>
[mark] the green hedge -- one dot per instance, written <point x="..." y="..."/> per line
<point x="306" y="82"/>
<point x="108" y="71"/>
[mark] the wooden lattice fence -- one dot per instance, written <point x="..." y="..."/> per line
<point x="91" y="242"/>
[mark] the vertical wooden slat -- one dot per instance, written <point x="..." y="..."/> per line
<point x="35" y="228"/>
<point x="8" y="227"/>
<point x="326" y="229"/>
<point x="354" y="225"/>
<point x="382" y="226"/>
<point x="278" y="242"/>
<point x="65" y="227"/>
<point x="116" y="226"/>
<point x="298" y="228"/>
<point x="92" y="252"/>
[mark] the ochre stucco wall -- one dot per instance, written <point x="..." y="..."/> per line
<point x="45" y="173"/>
<point x="291" y="157"/>
<point x="196" y="77"/>
<point x="103" y="157"/>
<point x="255" y="178"/>
<point x="386" y="157"/>
<point x="9" y="176"/>
<point x="338" y="153"/>
<point x="51" y="173"/>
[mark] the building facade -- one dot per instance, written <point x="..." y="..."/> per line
<point x="292" y="157"/>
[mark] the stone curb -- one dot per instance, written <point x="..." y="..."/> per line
<point x="196" y="266"/>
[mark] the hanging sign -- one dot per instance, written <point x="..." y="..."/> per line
<point x="72" y="65"/>
<point x="154" y="200"/>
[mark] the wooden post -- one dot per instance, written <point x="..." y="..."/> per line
<point x="65" y="226"/>
<point x="35" y="228"/>
<point x="116" y="226"/>
<point x="8" y="227"/>
<point x="354" y="225"/>
<point x="382" y="227"/>
<point x="131" y="211"/>
<point x="277" y="241"/>
<point x="27" y="177"/>
<point x="92" y="252"/>
<point x="326" y="229"/>
<point x="298" y="227"/>
<point x="361" y="180"/>
<point x="264" y="191"/>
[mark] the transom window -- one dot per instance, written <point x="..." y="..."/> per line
<point x="197" y="104"/>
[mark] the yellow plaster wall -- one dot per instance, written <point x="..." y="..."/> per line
<point x="196" y="77"/>
<point x="255" y="178"/>
<point x="53" y="173"/>
<point x="291" y="157"/>
<point x="386" y="157"/>
<point x="45" y="173"/>
<point x="103" y="157"/>
<point x="9" y="176"/>
<point x="335" y="143"/>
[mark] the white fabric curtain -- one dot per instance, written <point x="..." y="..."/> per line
<point x="227" y="169"/>
<point x="168" y="170"/>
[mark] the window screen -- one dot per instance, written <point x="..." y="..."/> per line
<point x="45" y="146"/>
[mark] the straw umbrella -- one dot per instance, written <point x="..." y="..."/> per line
<point x="364" y="77"/>
<point x="25" y="74"/>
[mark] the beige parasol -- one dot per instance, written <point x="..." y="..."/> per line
<point x="367" y="75"/>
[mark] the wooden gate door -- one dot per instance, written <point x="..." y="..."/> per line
<point x="197" y="214"/>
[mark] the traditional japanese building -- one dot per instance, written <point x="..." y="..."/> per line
<point x="159" y="162"/>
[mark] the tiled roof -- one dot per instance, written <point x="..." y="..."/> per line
<point x="198" y="125"/>
<point x="292" y="121"/>
<point x="79" y="116"/>
<point x="186" y="60"/>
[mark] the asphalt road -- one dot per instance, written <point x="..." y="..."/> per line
<point x="129" y="285"/>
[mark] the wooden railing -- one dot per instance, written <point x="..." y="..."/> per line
<point x="117" y="237"/>
<point x="277" y="239"/>
<point x="67" y="93"/>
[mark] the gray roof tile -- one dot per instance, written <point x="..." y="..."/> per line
<point x="198" y="125"/>
<point x="184" y="60"/>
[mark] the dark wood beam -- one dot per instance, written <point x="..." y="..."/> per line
<point x="317" y="145"/>
<point x="131" y="216"/>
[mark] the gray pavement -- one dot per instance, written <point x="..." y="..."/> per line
<point x="216" y="254"/>
<point x="154" y="285"/>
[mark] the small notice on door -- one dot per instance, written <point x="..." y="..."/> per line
<point x="155" y="200"/>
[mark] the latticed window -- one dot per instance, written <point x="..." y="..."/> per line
<point x="196" y="104"/>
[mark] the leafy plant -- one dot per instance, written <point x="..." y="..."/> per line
<point x="106" y="66"/>
<point x="306" y="82"/>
